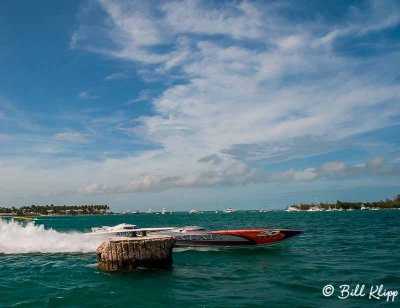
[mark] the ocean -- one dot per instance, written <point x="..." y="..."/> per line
<point x="50" y="264"/>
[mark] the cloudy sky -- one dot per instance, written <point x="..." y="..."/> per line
<point x="206" y="104"/>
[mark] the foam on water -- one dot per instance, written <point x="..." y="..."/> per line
<point x="183" y="249"/>
<point x="28" y="238"/>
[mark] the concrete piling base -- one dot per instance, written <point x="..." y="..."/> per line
<point x="135" y="253"/>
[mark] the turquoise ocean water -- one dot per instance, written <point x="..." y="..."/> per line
<point x="359" y="247"/>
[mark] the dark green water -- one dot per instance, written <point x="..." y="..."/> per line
<point x="359" y="247"/>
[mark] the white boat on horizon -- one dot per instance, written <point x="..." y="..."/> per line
<point x="292" y="208"/>
<point x="230" y="210"/>
<point x="194" y="211"/>
<point x="164" y="211"/>
<point x="314" y="209"/>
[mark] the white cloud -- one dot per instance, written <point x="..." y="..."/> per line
<point x="240" y="21"/>
<point x="144" y="95"/>
<point x="333" y="167"/>
<point x="239" y="174"/>
<point x="86" y="95"/>
<point x="115" y="76"/>
<point x="74" y="137"/>
<point x="378" y="16"/>
<point x="294" y="175"/>
<point x="375" y="163"/>
<point x="211" y="159"/>
<point x="94" y="188"/>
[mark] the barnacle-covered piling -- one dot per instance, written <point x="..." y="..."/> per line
<point x="135" y="253"/>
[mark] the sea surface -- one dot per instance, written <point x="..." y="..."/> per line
<point x="51" y="264"/>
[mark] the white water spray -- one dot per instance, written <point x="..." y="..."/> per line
<point x="28" y="238"/>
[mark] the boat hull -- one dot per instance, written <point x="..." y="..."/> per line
<point x="234" y="238"/>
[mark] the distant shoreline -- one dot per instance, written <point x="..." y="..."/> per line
<point x="56" y="210"/>
<point x="104" y="210"/>
<point x="68" y="215"/>
<point x="185" y="212"/>
<point x="347" y="206"/>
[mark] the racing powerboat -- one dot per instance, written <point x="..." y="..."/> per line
<point x="194" y="236"/>
<point x="200" y="237"/>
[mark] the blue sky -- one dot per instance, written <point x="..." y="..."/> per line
<point x="202" y="104"/>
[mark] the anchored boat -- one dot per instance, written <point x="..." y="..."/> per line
<point x="230" y="210"/>
<point x="22" y="218"/>
<point x="194" y="211"/>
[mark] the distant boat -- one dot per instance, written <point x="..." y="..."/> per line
<point x="22" y="218"/>
<point x="364" y="208"/>
<point x="164" y="211"/>
<point x="135" y="212"/>
<point x="194" y="211"/>
<point x="314" y="209"/>
<point x="150" y="211"/>
<point x="292" y="208"/>
<point x="264" y="210"/>
<point x="230" y="210"/>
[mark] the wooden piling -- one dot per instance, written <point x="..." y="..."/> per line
<point x="135" y="253"/>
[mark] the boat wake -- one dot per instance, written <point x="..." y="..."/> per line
<point x="18" y="238"/>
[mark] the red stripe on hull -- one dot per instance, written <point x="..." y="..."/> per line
<point x="213" y="243"/>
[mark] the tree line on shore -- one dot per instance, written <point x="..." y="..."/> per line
<point x="383" y="204"/>
<point x="92" y="209"/>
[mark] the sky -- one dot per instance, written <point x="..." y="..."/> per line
<point x="199" y="104"/>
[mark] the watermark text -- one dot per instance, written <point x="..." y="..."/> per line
<point x="373" y="292"/>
